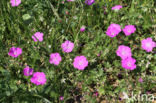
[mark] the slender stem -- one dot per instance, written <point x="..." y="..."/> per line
<point x="53" y="9"/>
<point x="42" y="98"/>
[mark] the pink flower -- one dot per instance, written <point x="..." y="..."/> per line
<point x="129" y="29"/>
<point x="96" y="94"/>
<point x="129" y="63"/>
<point x="67" y="46"/>
<point x="80" y="62"/>
<point x="98" y="54"/>
<point x="55" y="58"/>
<point x="15" y="52"/>
<point x="148" y="92"/>
<point x="89" y="2"/>
<point x="39" y="78"/>
<point x="113" y="30"/>
<point x="62" y="2"/>
<point x="38" y="37"/>
<point x="27" y="71"/>
<point x="147" y="44"/>
<point x="15" y="2"/>
<point x="61" y="98"/>
<point x="82" y="29"/>
<point x="140" y="80"/>
<point x="117" y="7"/>
<point x="124" y="51"/>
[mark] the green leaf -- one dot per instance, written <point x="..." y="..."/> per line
<point x="26" y="17"/>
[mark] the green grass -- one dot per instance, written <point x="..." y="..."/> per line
<point x="18" y="24"/>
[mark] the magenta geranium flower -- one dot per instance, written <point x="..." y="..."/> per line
<point x="113" y="30"/>
<point x="15" y="52"/>
<point x="124" y="51"/>
<point x="89" y="2"/>
<point x="38" y="78"/>
<point x="61" y="98"/>
<point x="27" y="71"/>
<point x="117" y="7"/>
<point x="129" y="63"/>
<point x="148" y="44"/>
<point x="38" y="36"/>
<point x="67" y="46"/>
<point x="129" y="29"/>
<point x="80" y="62"/>
<point x="55" y="58"/>
<point x="96" y="94"/>
<point x="82" y="29"/>
<point x="15" y="2"/>
<point x="140" y="80"/>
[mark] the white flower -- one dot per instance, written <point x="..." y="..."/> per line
<point x="125" y="96"/>
<point x="49" y="46"/>
<point x="63" y="80"/>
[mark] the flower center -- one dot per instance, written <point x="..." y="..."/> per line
<point x="148" y="44"/>
<point x="123" y="53"/>
<point x="129" y="31"/>
<point x="27" y="72"/>
<point x="129" y="64"/>
<point x="39" y="80"/>
<point x="113" y="33"/>
<point x="55" y="59"/>
<point x="15" y="52"/>
<point x="80" y="62"/>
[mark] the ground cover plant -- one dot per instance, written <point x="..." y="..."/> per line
<point x="77" y="51"/>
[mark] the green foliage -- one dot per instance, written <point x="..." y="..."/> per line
<point x="60" y="22"/>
